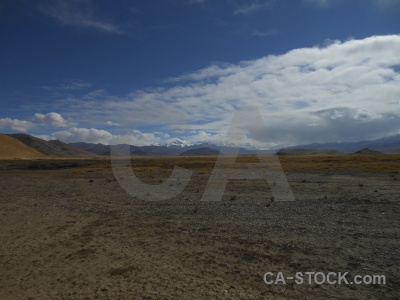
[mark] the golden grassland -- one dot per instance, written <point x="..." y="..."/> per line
<point x="387" y="163"/>
<point x="376" y="164"/>
<point x="70" y="231"/>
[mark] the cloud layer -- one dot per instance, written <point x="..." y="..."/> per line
<point x="16" y="125"/>
<point x="342" y="91"/>
<point x="79" y="14"/>
<point x="52" y="119"/>
<point x="48" y="120"/>
<point x="93" y="135"/>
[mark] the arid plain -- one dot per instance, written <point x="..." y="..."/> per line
<point x="69" y="231"/>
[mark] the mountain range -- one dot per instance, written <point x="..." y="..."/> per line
<point x="303" y="151"/>
<point x="27" y="146"/>
<point x="11" y="148"/>
<point x="389" y="144"/>
<point x="205" y="151"/>
<point x="172" y="150"/>
<point x="51" y="148"/>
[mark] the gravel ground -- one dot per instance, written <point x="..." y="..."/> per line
<point x="69" y="231"/>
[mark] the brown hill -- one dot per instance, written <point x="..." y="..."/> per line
<point x="368" y="152"/>
<point x="51" y="148"/>
<point x="205" y="151"/>
<point x="71" y="151"/>
<point x="11" y="148"/>
<point x="301" y="151"/>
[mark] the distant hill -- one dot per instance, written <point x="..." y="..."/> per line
<point x="390" y="144"/>
<point x="368" y="152"/>
<point x="101" y="149"/>
<point x="134" y="150"/>
<point x="302" y="151"/>
<point x="170" y="150"/>
<point x="11" y="148"/>
<point x="50" y="148"/>
<point x="160" y="150"/>
<point x="205" y="151"/>
<point x="105" y="150"/>
<point x="98" y="149"/>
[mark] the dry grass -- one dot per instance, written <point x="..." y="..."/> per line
<point x="69" y="231"/>
<point x="388" y="163"/>
<point x="375" y="164"/>
<point x="11" y="148"/>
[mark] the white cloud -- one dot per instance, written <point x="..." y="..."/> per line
<point x="137" y="138"/>
<point x="178" y="142"/>
<point x="342" y="91"/>
<point x="208" y="73"/>
<point x="111" y="124"/>
<point x="93" y="135"/>
<point x="80" y="14"/>
<point x="254" y="7"/>
<point x="265" y="33"/>
<point x="69" y="85"/>
<point x="75" y="85"/>
<point x="14" y="124"/>
<point x="53" y="119"/>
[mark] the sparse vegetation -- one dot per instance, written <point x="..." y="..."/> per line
<point x="99" y="237"/>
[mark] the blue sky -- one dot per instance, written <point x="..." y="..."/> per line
<point x="174" y="71"/>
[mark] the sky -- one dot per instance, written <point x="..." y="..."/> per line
<point x="163" y="72"/>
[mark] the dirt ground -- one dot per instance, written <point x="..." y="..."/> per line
<point x="69" y="231"/>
